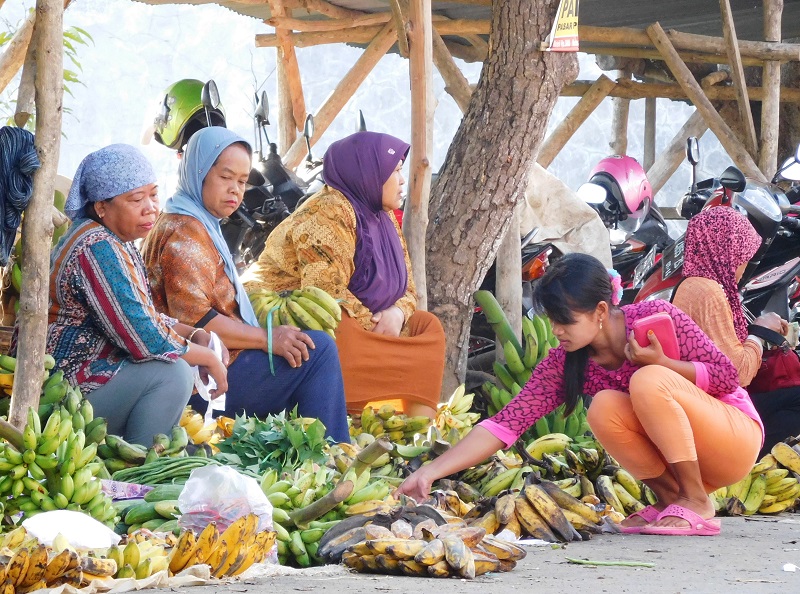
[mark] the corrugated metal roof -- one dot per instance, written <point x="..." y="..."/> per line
<point x="691" y="16"/>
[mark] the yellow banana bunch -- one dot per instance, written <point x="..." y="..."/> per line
<point x="455" y="414"/>
<point x="309" y="308"/>
<point x="196" y="428"/>
<point x="387" y="421"/>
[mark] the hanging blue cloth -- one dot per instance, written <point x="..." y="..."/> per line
<point x="18" y="163"/>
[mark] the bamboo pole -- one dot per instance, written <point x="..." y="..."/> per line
<point x="415" y="223"/>
<point x="619" y="123"/>
<point x="287" y="55"/>
<point x="456" y="84"/>
<point x="582" y="110"/>
<point x="37" y="226"/>
<point x="366" y="34"/>
<point x="737" y="73"/>
<point x="649" y="132"/>
<point x="652" y="54"/>
<point x="14" y="54"/>
<point x="508" y="285"/>
<point x="634" y="90"/>
<point x="784" y="52"/>
<point x="671" y="158"/>
<point x="771" y="81"/>
<point x="400" y="22"/>
<point x="287" y="127"/>
<point x="343" y="92"/>
<point x="686" y="80"/>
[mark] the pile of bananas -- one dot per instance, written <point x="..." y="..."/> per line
<point x="455" y="414"/>
<point x="387" y="421"/>
<point x="55" y="467"/>
<point x="117" y="454"/>
<point x="196" y="428"/>
<point x="138" y="559"/>
<point x="228" y="553"/>
<point x="27" y="565"/>
<point x="157" y="513"/>
<point x="309" y="308"/>
<point x="770" y="488"/>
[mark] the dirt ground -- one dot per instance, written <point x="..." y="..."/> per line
<point x="748" y="557"/>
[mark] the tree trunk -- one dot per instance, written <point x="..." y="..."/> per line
<point x="484" y="174"/>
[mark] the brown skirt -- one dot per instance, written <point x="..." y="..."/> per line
<point x="376" y="367"/>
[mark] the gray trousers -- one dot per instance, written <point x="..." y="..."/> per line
<point x="144" y="399"/>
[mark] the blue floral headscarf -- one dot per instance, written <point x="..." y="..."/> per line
<point x="107" y="173"/>
<point x="203" y="150"/>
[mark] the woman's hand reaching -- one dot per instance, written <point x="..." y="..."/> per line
<point x="772" y="321"/>
<point x="219" y="372"/>
<point x="389" y="321"/>
<point x="417" y="486"/>
<point x="291" y="343"/>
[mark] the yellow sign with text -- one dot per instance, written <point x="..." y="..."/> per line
<point x="564" y="34"/>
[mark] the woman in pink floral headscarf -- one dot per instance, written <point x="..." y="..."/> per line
<point x="719" y="244"/>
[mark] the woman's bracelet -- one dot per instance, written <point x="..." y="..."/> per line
<point x="191" y="334"/>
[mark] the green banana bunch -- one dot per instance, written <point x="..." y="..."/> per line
<point x="309" y="308"/>
<point x="387" y="421"/>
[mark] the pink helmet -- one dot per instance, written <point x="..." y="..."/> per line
<point x="628" y="194"/>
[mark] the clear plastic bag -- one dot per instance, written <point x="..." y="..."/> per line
<point x="220" y="494"/>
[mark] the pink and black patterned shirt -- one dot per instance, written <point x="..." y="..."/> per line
<point x="544" y="392"/>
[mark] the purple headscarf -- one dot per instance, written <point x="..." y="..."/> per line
<point x="358" y="166"/>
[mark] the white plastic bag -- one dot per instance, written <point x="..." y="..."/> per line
<point x="220" y="494"/>
<point x="218" y="403"/>
<point x="81" y="530"/>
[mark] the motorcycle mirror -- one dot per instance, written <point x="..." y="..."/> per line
<point x="209" y="96"/>
<point x="797" y="154"/>
<point x="308" y="132"/>
<point x="362" y="125"/>
<point x="790" y="170"/>
<point x="256" y="178"/>
<point x="592" y="193"/>
<point x="262" y="109"/>
<point x="733" y="179"/>
<point x="693" y="156"/>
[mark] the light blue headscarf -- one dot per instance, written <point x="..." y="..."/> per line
<point x="107" y="173"/>
<point x="204" y="148"/>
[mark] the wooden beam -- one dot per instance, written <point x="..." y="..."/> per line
<point x="415" y="222"/>
<point x="307" y="26"/>
<point x="671" y="158"/>
<point x="652" y="54"/>
<point x="737" y="73"/>
<point x="619" y="125"/>
<point x="649" y="133"/>
<point x="456" y="84"/>
<point x="13" y="56"/>
<point x="343" y="92"/>
<point x="478" y="43"/>
<point x="634" y="90"/>
<point x="582" y="110"/>
<point x="763" y="50"/>
<point x="458" y="27"/>
<point x="771" y="82"/>
<point x="37" y="226"/>
<point x="687" y="81"/>
<point x="287" y="55"/>
<point x="330" y="10"/>
<point x="400" y="25"/>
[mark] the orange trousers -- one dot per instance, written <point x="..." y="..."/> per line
<point x="667" y="419"/>
<point x="400" y="369"/>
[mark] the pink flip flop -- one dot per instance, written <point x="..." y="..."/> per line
<point x="697" y="526"/>
<point x="648" y="514"/>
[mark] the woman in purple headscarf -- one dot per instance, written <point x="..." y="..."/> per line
<point x="346" y="241"/>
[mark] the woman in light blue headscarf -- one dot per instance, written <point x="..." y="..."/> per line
<point x="194" y="279"/>
<point x="131" y="362"/>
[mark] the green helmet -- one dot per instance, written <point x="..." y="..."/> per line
<point x="181" y="114"/>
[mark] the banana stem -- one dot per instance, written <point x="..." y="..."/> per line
<point x="323" y="505"/>
<point x="12" y="435"/>
<point x="529" y="460"/>
<point x="369" y="454"/>
<point x="611" y="563"/>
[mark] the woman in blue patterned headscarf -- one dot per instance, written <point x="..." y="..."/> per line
<point x="193" y="278"/>
<point x="131" y="362"/>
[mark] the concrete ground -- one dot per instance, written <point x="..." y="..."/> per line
<point x="747" y="557"/>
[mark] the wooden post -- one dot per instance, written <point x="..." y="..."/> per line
<point x="343" y="92"/>
<point x="14" y="55"/>
<point x="771" y="82"/>
<point x="649" y="133"/>
<point x="415" y="225"/>
<point x="687" y="81"/>
<point x="400" y="26"/>
<point x="37" y="226"/>
<point x="619" y="122"/>
<point x="287" y="127"/>
<point x="625" y="51"/>
<point x="737" y="72"/>
<point x="582" y="110"/>
<point x="508" y="275"/>
<point x="671" y="158"/>
<point x="456" y="84"/>
<point x="287" y="55"/>
<point x="634" y="90"/>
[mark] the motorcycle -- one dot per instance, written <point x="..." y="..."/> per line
<point x="771" y="281"/>
<point x="618" y="190"/>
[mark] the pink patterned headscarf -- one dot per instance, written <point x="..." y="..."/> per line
<point x="718" y="241"/>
